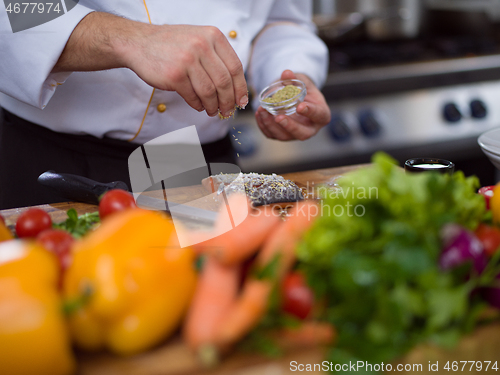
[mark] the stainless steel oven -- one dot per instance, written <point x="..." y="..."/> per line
<point x="431" y="95"/>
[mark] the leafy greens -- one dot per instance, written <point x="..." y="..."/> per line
<point x="373" y="256"/>
<point x="76" y="225"/>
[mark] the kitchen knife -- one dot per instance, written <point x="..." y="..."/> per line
<point x="78" y="188"/>
<point x="83" y="189"/>
<point x="180" y="211"/>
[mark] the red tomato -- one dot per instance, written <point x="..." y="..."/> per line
<point x="114" y="201"/>
<point x="298" y="298"/>
<point x="58" y="242"/>
<point x="32" y="222"/>
<point x="2" y="219"/>
<point x="487" y="192"/>
<point x="489" y="237"/>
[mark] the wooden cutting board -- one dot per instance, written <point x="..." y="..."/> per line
<point x="174" y="358"/>
<point x="57" y="211"/>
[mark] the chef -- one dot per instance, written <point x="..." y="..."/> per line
<point x="81" y="92"/>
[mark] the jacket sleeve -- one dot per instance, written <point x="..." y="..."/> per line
<point x="288" y="41"/>
<point x="28" y="56"/>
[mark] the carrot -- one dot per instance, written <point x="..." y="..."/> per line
<point x="309" y="334"/>
<point x="285" y="238"/>
<point x="218" y="317"/>
<point x="241" y="242"/>
<point x="247" y="311"/>
<point x="216" y="290"/>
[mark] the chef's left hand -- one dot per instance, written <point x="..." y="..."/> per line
<point x="312" y="114"/>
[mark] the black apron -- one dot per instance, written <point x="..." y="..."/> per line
<point x="27" y="150"/>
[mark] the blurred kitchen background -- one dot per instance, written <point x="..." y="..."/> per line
<point x="415" y="78"/>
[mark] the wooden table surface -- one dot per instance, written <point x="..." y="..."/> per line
<point x="173" y="358"/>
<point x="57" y="211"/>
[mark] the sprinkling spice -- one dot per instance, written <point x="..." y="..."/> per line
<point x="231" y="114"/>
<point x="238" y="132"/>
<point x="238" y="154"/>
<point x="239" y="143"/>
<point x="286" y="93"/>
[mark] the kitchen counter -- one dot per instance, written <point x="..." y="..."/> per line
<point x="173" y="357"/>
<point x="57" y="211"/>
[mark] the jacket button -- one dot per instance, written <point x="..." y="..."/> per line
<point x="161" y="107"/>
<point x="233" y="34"/>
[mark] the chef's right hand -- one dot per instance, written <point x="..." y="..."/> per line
<point x="195" y="61"/>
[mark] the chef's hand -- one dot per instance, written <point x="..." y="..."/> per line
<point x="195" y="61"/>
<point x="312" y="114"/>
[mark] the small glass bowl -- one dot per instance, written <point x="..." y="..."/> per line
<point x="286" y="107"/>
<point x="417" y="165"/>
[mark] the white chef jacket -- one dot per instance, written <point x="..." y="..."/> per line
<point x="117" y="103"/>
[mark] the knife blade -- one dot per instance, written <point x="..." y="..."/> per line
<point x="181" y="211"/>
<point x="83" y="189"/>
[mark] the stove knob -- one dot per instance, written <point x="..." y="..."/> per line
<point x="339" y="130"/>
<point x="451" y="113"/>
<point x="478" y="109"/>
<point x="369" y="124"/>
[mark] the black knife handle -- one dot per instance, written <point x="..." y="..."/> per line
<point x="78" y="188"/>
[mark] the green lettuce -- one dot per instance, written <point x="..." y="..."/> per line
<point x="373" y="256"/>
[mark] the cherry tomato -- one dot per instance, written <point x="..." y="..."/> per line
<point x="489" y="237"/>
<point x="32" y="222"/>
<point x="298" y="298"/>
<point x="487" y="193"/>
<point x="114" y="201"/>
<point x="58" y="242"/>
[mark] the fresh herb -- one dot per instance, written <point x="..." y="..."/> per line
<point x="269" y="271"/>
<point x="76" y="225"/>
<point x="261" y="341"/>
<point x="373" y="255"/>
<point x="71" y="306"/>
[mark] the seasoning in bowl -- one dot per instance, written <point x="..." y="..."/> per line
<point x="286" y="93"/>
<point x="282" y="97"/>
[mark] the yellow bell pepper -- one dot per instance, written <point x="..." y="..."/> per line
<point x="33" y="335"/>
<point x="131" y="283"/>
<point x="5" y="232"/>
